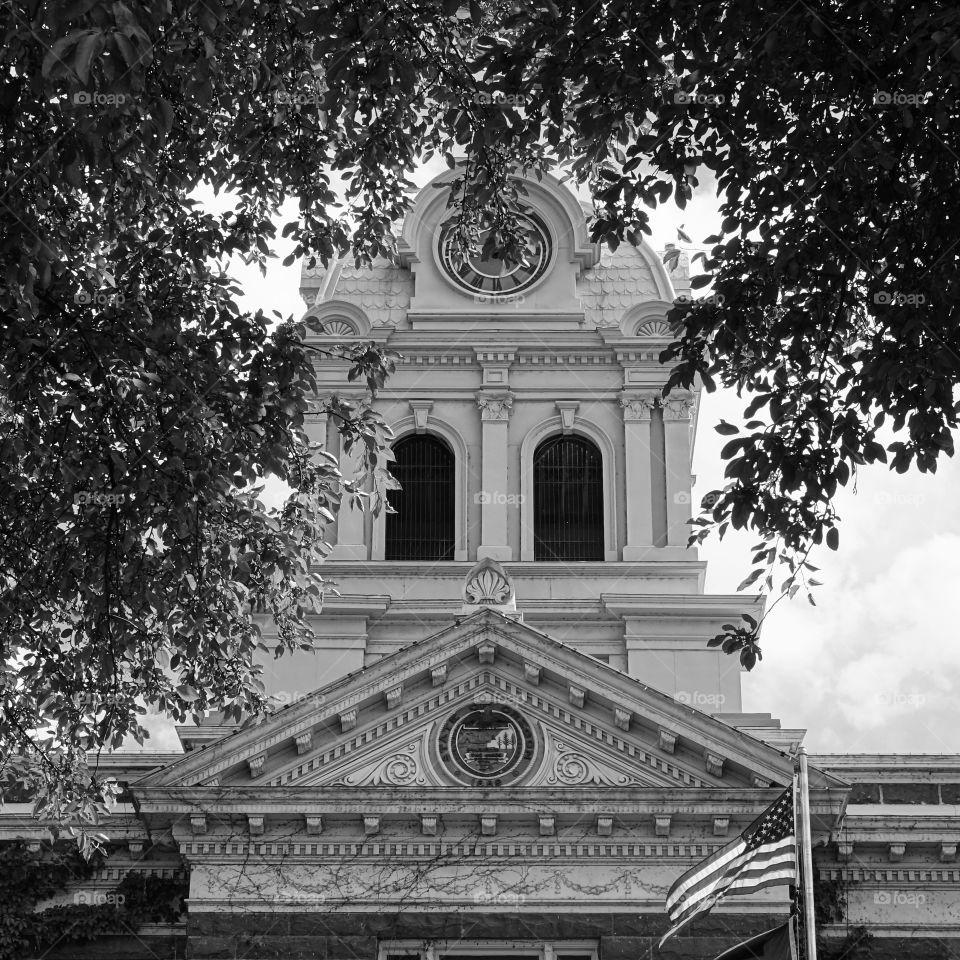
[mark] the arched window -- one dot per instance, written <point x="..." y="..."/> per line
<point x="568" y="500"/>
<point x="423" y="527"/>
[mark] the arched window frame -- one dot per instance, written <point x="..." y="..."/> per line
<point x="553" y="427"/>
<point x="404" y="428"/>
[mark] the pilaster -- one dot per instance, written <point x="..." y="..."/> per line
<point x="677" y="423"/>
<point x="495" y="414"/>
<point x="637" y="407"/>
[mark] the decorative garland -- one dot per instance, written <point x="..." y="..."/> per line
<point x="28" y="878"/>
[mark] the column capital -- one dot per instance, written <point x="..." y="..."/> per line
<point x="638" y="405"/>
<point x="679" y="406"/>
<point x="495" y="406"/>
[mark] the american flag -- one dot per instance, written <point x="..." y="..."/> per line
<point x="763" y="855"/>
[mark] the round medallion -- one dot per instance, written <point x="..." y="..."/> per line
<point x="495" y="277"/>
<point x="486" y="745"/>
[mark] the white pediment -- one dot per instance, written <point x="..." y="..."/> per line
<point x="565" y="751"/>
<point x="446" y="711"/>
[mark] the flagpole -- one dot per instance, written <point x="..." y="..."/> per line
<point x="806" y="852"/>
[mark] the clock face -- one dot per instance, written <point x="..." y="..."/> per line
<point x="496" y="277"/>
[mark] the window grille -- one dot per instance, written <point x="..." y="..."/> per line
<point x="568" y="500"/>
<point x="423" y="527"/>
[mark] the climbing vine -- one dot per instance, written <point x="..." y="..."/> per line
<point x="27" y="878"/>
<point x="829" y="900"/>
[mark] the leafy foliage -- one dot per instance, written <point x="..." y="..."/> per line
<point x="829" y="900"/>
<point x="28" y="878"/>
<point x="142" y="408"/>
<point x="141" y="412"/>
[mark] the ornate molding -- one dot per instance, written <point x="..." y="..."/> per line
<point x="524" y="851"/>
<point x="713" y="763"/>
<point x="489" y="585"/>
<point x="667" y="740"/>
<point x="659" y="329"/>
<point x="421" y="414"/>
<point x="926" y="874"/>
<point x="495" y="406"/>
<point x="568" y="414"/>
<point x="394" y="696"/>
<point x="338" y="327"/>
<point x="678" y="406"/>
<point x="571" y="766"/>
<point x="638" y="406"/>
<point x="620" y="756"/>
<point x="402" y="768"/>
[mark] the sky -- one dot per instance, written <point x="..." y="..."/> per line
<point x="873" y="666"/>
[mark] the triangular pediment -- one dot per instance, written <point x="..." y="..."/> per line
<point x="488" y="702"/>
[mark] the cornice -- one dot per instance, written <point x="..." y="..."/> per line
<point x="884" y="875"/>
<point x="701" y="606"/>
<point x="600" y="569"/>
<point x="858" y="764"/>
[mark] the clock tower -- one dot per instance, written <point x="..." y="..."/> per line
<point x="530" y="430"/>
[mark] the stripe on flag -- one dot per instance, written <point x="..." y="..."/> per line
<point x="763" y="855"/>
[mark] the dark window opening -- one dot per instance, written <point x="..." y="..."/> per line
<point x="568" y="500"/>
<point x="423" y="527"/>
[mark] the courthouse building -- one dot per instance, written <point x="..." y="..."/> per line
<point x="513" y="737"/>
